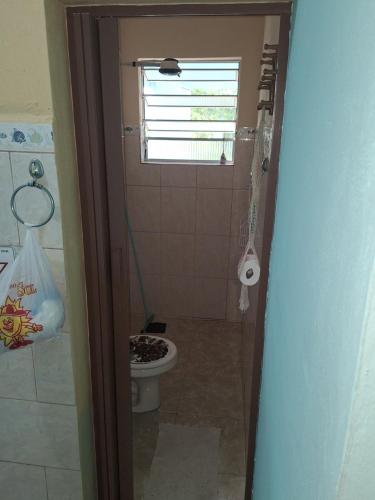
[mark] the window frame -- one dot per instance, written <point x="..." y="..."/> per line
<point x="142" y="120"/>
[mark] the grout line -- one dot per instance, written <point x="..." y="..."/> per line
<point x="41" y="466"/>
<point x="35" y="384"/>
<point x="69" y="405"/>
<point x="21" y="463"/>
<point x="28" y="151"/>
<point x="45" y="478"/>
<point x="18" y="245"/>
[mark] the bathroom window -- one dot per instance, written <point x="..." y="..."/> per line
<point x="190" y="118"/>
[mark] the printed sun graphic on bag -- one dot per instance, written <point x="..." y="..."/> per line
<point x="16" y="324"/>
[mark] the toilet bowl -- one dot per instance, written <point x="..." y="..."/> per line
<point x="145" y="375"/>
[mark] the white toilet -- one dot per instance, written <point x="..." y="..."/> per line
<point x="145" y="375"/>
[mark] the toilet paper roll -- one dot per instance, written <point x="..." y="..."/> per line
<point x="249" y="270"/>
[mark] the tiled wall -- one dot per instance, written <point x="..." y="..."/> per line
<point x="39" y="458"/>
<point x="186" y="218"/>
<point x="186" y="222"/>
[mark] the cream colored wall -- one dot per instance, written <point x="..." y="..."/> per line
<point x="242" y="35"/>
<point x="24" y="84"/>
<point x="65" y="151"/>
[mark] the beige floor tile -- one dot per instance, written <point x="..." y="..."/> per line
<point x="231" y="487"/>
<point x="172" y="386"/>
<point x="145" y="436"/>
<point x="183" y="360"/>
<point x="208" y="357"/>
<point x="222" y="397"/>
<point x="180" y="328"/>
<point x="204" y="389"/>
<point x="232" y="440"/>
<point x="219" y="331"/>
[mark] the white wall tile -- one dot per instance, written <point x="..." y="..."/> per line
<point x="22" y="482"/>
<point x="178" y="210"/>
<point x="242" y="165"/>
<point x="151" y="284"/>
<point x="8" y="224"/>
<point x="33" y="432"/>
<point x="144" y="208"/>
<point x="210" y="296"/>
<point x="240" y="207"/>
<point x="138" y="174"/>
<point x="63" y="484"/>
<point x="217" y="176"/>
<point x="147" y="249"/>
<point x="38" y="434"/>
<point x="32" y="205"/>
<point x="178" y="175"/>
<point x="214" y="211"/>
<point x="17" y="374"/>
<point x="211" y="256"/>
<point x="53" y="370"/>
<point x="177" y="295"/>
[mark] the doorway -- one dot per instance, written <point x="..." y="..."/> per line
<point x="185" y="288"/>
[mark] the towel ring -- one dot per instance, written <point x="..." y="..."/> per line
<point x="36" y="171"/>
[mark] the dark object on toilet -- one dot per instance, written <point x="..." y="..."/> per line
<point x="155" y="327"/>
<point x="144" y="348"/>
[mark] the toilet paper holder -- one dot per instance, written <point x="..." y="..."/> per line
<point x="249" y="273"/>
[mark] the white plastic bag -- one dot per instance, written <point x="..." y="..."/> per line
<point x="31" y="307"/>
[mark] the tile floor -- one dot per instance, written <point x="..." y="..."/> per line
<point x="204" y="389"/>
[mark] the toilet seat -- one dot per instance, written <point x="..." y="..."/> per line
<point x="141" y="369"/>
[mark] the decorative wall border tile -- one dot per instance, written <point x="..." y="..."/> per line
<point x="26" y="137"/>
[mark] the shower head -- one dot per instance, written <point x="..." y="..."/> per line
<point x="168" y="66"/>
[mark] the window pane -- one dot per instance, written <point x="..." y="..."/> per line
<point x="175" y="113"/>
<point x="210" y="64"/>
<point x="191" y="117"/>
<point x="192" y="100"/>
<point x="189" y="134"/>
<point x="189" y="150"/>
<point x="190" y="88"/>
<point x="186" y="125"/>
<point x="221" y="75"/>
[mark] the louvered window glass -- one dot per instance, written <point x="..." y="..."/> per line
<point x="191" y="118"/>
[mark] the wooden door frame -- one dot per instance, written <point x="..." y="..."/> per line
<point x="95" y="77"/>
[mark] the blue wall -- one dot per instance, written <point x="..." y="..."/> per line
<point x="322" y="251"/>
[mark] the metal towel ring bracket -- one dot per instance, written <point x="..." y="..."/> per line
<point x="36" y="171"/>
